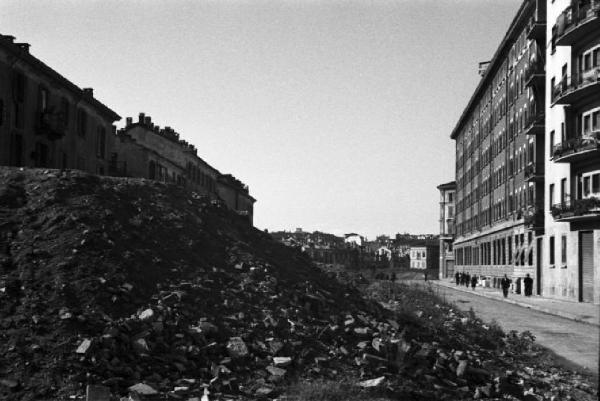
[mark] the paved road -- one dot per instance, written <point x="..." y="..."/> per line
<point x="576" y="342"/>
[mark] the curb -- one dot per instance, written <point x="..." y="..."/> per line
<point x="549" y="311"/>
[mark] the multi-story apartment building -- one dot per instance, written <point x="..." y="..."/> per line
<point x="499" y="156"/>
<point x="45" y="119"/>
<point x="447" y="207"/>
<point x="571" y="268"/>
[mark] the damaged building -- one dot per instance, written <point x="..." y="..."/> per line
<point x="46" y="121"/>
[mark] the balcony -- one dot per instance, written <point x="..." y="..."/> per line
<point x="533" y="217"/>
<point x="534" y="125"/>
<point x="535" y="75"/>
<point x="586" y="147"/>
<point x="50" y="124"/>
<point x="577" y="23"/>
<point x="536" y="30"/>
<point x="577" y="210"/>
<point x="533" y="173"/>
<point x="576" y="87"/>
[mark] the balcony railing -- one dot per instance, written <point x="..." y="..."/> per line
<point x="572" y="88"/>
<point x="536" y="30"/>
<point x="533" y="172"/>
<point x="576" y="22"/>
<point x="535" y="73"/>
<point x="533" y="216"/>
<point x="577" y="209"/>
<point x="575" y="149"/>
<point x="534" y="124"/>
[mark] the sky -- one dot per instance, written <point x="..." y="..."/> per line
<point x="337" y="114"/>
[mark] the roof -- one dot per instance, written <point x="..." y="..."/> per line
<point x="495" y="62"/>
<point x="22" y="52"/>
<point x="448" y="185"/>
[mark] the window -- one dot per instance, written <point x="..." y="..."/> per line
<point x="41" y="155"/>
<point x="64" y="110"/>
<point x="19" y="88"/>
<point x="552" y="142"/>
<point x="152" y="170"/>
<point x="551" y="195"/>
<point x="590" y="121"/>
<point x="80" y="163"/>
<point x="563" y="191"/>
<point x="42" y="99"/>
<point x="551" y="250"/>
<point x="450" y="195"/>
<point x="101" y="142"/>
<point x="590" y="183"/>
<point x="563" y="250"/>
<point x="81" y="123"/>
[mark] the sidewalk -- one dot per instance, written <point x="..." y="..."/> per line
<point x="578" y="311"/>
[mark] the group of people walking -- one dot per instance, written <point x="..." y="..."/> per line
<point x="464" y="278"/>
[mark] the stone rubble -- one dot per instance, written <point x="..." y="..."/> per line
<point x="122" y="289"/>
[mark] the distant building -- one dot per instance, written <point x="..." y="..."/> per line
<point x="424" y="257"/>
<point x="447" y="197"/>
<point x="354" y="238"/>
<point x="46" y="120"/>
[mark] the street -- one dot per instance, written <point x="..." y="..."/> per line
<point x="574" y="341"/>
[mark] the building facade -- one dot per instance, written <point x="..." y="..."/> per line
<point x="424" y="257"/>
<point x="45" y="119"/>
<point x="571" y="246"/>
<point x="499" y="156"/>
<point x="236" y="196"/>
<point x="447" y="207"/>
<point x="145" y="150"/>
<point x="540" y="215"/>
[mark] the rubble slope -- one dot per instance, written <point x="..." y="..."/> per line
<point x="129" y="286"/>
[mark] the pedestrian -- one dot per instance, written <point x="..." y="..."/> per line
<point x="467" y="280"/>
<point x="473" y="281"/>
<point x="505" y="284"/>
<point x="528" y="281"/>
<point x="425" y="275"/>
<point x="457" y="278"/>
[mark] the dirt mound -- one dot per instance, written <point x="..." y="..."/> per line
<point x="127" y="286"/>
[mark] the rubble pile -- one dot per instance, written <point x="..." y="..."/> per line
<point x="130" y="288"/>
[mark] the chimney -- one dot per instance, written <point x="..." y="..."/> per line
<point x="147" y="120"/>
<point x="128" y="121"/>
<point x="24" y="46"/>
<point x="141" y="117"/>
<point x="483" y="65"/>
<point x="88" y="92"/>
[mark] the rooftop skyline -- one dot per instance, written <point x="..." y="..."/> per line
<point x="337" y="114"/>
